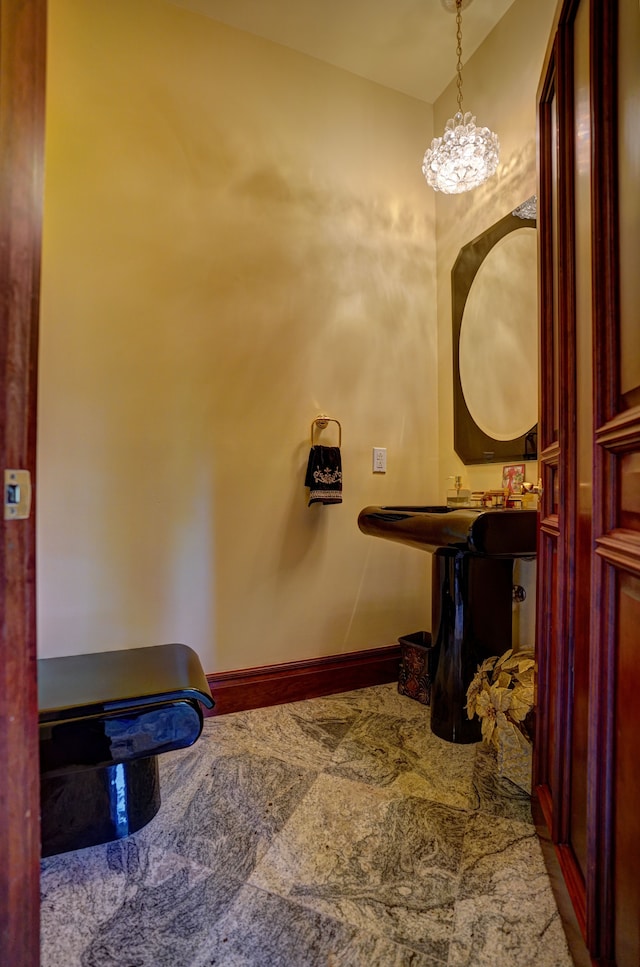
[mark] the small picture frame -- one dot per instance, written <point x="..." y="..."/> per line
<point x="513" y="477"/>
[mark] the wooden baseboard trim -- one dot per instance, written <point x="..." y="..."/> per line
<point x="566" y="881"/>
<point x="237" y="691"/>
<point x="542" y="808"/>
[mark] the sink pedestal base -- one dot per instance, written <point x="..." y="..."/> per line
<point x="471" y="621"/>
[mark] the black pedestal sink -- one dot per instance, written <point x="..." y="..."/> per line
<point x="473" y="553"/>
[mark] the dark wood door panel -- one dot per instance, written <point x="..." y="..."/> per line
<point x="589" y="591"/>
<point x="22" y="53"/>
<point x="626" y="791"/>
<point x="628" y="208"/>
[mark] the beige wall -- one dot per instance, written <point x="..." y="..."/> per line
<point x="236" y="237"/>
<point x="500" y="83"/>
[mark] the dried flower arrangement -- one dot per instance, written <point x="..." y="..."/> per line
<point x="501" y="694"/>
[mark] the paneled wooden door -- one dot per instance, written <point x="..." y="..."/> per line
<point x="587" y="760"/>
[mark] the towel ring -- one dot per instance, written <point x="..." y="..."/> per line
<point x="321" y="422"/>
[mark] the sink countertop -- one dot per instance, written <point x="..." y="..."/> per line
<point x="495" y="533"/>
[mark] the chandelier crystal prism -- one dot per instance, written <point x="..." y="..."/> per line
<point x="466" y="155"/>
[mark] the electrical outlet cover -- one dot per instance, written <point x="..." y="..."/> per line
<point x="379" y="459"/>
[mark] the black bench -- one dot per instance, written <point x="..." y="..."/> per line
<point x="104" y="719"/>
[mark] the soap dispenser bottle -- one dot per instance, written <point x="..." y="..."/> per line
<point x="456" y="496"/>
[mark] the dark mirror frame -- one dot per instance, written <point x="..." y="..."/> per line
<point x="471" y="443"/>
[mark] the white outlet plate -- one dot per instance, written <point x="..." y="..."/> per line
<point x="379" y="459"/>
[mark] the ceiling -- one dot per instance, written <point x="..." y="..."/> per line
<point x="407" y="45"/>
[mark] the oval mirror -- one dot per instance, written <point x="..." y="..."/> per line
<point x="495" y="343"/>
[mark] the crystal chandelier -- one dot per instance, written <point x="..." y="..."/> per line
<point x="465" y="156"/>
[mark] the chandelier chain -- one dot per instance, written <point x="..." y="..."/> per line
<point x="466" y="155"/>
<point x="459" y="51"/>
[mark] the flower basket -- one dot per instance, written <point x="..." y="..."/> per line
<point x="501" y="695"/>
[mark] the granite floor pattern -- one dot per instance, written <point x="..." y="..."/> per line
<point x="335" y="832"/>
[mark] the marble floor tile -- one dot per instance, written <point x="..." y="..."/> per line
<point x="385" y="700"/>
<point x="262" y="929"/>
<point x="302" y="733"/>
<point x="335" y="831"/>
<point x="505" y="909"/>
<point x="496" y="796"/>
<point x="78" y="890"/>
<point x="403" y="755"/>
<point x="126" y="904"/>
<point x="365" y="857"/>
<point x="234" y="814"/>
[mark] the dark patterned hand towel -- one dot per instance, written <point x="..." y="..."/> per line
<point x="324" y="475"/>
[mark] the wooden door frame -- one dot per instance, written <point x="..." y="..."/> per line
<point x="597" y="886"/>
<point x="22" y="86"/>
